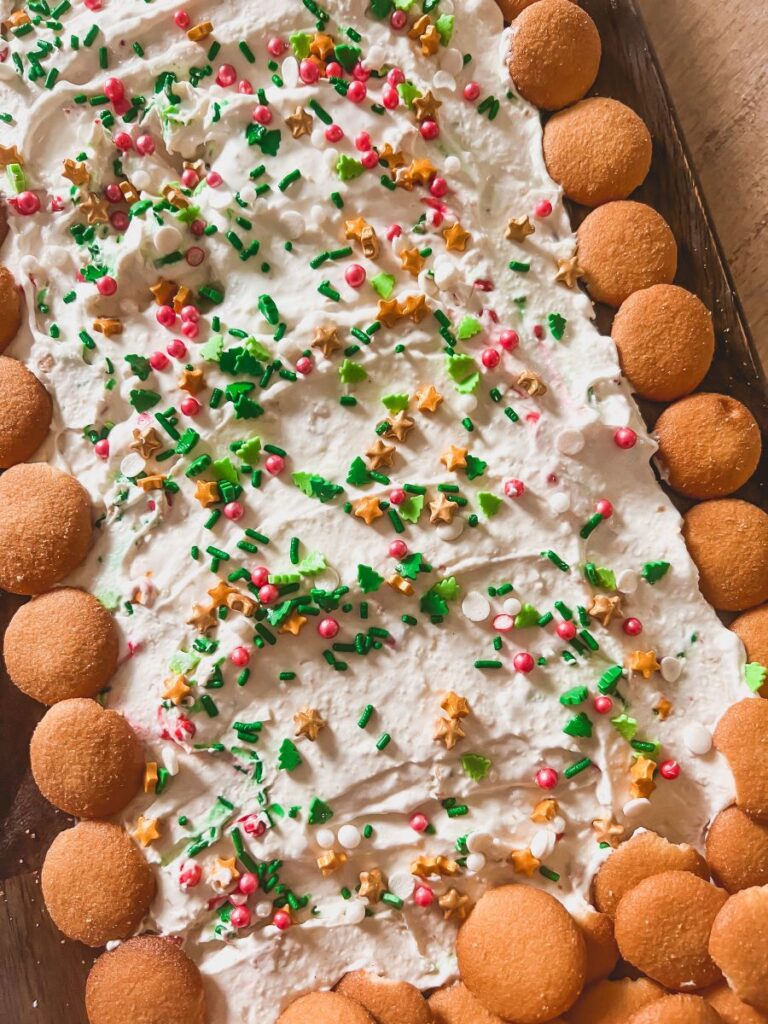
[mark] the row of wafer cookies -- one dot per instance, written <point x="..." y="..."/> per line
<point x="600" y="151"/>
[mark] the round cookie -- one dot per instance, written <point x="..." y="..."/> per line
<point x="388" y="1002"/>
<point x="45" y="527"/>
<point x="554" y="53"/>
<point x="10" y="308"/>
<point x="612" y="1002"/>
<point x="739" y="945"/>
<point x="731" y="1008"/>
<point x="663" y="925"/>
<point x="96" y="884"/>
<point x="455" y="1004"/>
<point x="742" y="737"/>
<point x="521" y="954"/>
<point x="511" y="8"/>
<point x="324" y="1008"/>
<point x="146" y="980"/>
<point x="752" y="630"/>
<point x="598" y="151"/>
<point x="624" y="247"/>
<point x="25" y="412"/>
<point x="642" y="855"/>
<point x="602" y="951"/>
<point x="665" y="340"/>
<point x="677" y="1010"/>
<point x="85" y="759"/>
<point x="728" y="541"/>
<point x="737" y="850"/>
<point x="709" y="445"/>
<point x="61" y="644"/>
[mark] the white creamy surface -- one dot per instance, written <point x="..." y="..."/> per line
<point x="566" y="458"/>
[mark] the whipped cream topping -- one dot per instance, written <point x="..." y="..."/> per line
<point x="217" y="207"/>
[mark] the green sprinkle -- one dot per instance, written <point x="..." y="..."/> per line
<point x="486" y="663"/>
<point x="289" y="179"/>
<point x="383" y="741"/>
<point x="209" y="705"/>
<point x="577" y="767"/>
<point x="246" y="51"/>
<point x="556" y="560"/>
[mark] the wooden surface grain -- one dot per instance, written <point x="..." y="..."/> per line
<point x="715" y="59"/>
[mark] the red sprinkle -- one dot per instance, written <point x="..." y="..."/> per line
<point x="632" y="627"/>
<point x="546" y="778"/>
<point x="603" y="705"/>
<point x="669" y="769"/>
<point x="523" y="662"/>
<point x="625" y="437"/>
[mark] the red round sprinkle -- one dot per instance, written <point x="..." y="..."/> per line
<point x="213" y="179"/>
<point x="304" y="365"/>
<point x="274" y="464"/>
<point x="471" y="91"/>
<point x="397" y="496"/>
<point x="328" y="628"/>
<point x="189" y="178"/>
<point x="423" y="896"/>
<point x="625" y="437"/>
<point x="259" y="575"/>
<point x="398" y="549"/>
<point x="245" y="87"/>
<point x="363" y="142"/>
<point x="276" y="46"/>
<point x="281" y="920"/>
<point x="123" y="141"/>
<point x="190" y="406"/>
<point x="418" y="821"/>
<point x="429" y="130"/>
<point x="357" y="92"/>
<point x="395" y="76"/>
<point x="190" y="873"/>
<point x="491" y="358"/>
<point x="438" y="187"/>
<point x="370" y="159"/>
<point x="182" y="19"/>
<point x="190" y="313"/>
<point x="166" y="316"/>
<point x="268" y="594"/>
<point x="509" y="340"/>
<point x="145" y="145"/>
<point x="119" y="220"/>
<point x="390" y="97"/>
<point x="114" y="89"/>
<point x="112" y="192"/>
<point x="354" y="275"/>
<point x="234" y="510"/>
<point x="605" y="508"/>
<point x="546" y="778"/>
<point x="240" y="917"/>
<point x="261" y="114"/>
<point x="603" y="705"/>
<point x="248" y="883"/>
<point x="190" y="329"/>
<point x="538" y="332"/>
<point x="334" y="70"/>
<point x="523" y="662"/>
<point x="176" y="348"/>
<point x="632" y="627"/>
<point x="106" y="285"/>
<point x="101" y="448"/>
<point x="194" y="255"/>
<point x="360" y="72"/>
<point x="543" y="209"/>
<point x="398" y="20"/>
<point x="226" y="75"/>
<point x="514" y="488"/>
<point x="565" y="630"/>
<point x="309" y="72"/>
<point x="333" y="133"/>
<point x="669" y="769"/>
<point x="159" y="360"/>
<point x="240" y="656"/>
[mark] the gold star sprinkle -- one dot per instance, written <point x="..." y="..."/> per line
<point x="220" y="593"/>
<point x="76" y="173"/>
<point x="455" y="706"/>
<point x="225" y="866"/>
<point x="380" y="454"/>
<point x="368" y="509"/>
<point x="412" y="261"/>
<point x="94" y="209"/>
<point x="163" y="291"/>
<point x="441" y="510"/>
<point x="456" y="238"/>
<point x="426" y="867"/>
<point x="207" y="492"/>
<point x="454" y="458"/>
<point x="293" y="624"/>
<point x="569" y="272"/>
<point x="389" y="312"/>
<point x="402" y="586"/>
<point x="663" y="708"/>
<point x="607" y="831"/>
<point x="642" y="772"/>
<point x="519" y="228"/>
<point x="176" y="689"/>
<point x="426" y="107"/>
<point x="643" y="662"/>
<point x="454" y="904"/>
<point x="429" y="41"/>
<point x="203" y="617"/>
<point x="10" y="155"/>
<point x="531" y="383"/>
<point x="153" y="482"/>
<point x="327" y="340"/>
<point x="146" y="830"/>
<point x="353" y="229"/>
<point x="399" y="426"/>
<point x="391" y="157"/>
<point x="415" y="308"/>
<point x="238" y="602"/>
<point x="299" y="123"/>
<point x="545" y="810"/>
<point x="322" y="45"/>
<point x="448" y="731"/>
<point x="604" y="607"/>
<point x="109" y="326"/>
<point x="331" y="861"/>
<point x="146" y="441"/>
<point x="192" y="381"/>
<point x="427" y="398"/>
<point x="309" y="722"/>
<point x="372" y="885"/>
<point x="524" y="863"/>
<point x="422" y="171"/>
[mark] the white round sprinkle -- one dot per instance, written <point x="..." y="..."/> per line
<point x="478" y="841"/>
<point x="401" y="884"/>
<point x="325" y="838"/>
<point x="671" y="669"/>
<point x="452" y="530"/>
<point x="350" y="837"/>
<point x="167" y="239"/>
<point x="354" y="912"/>
<point x="467" y="403"/>
<point x="475" y="862"/>
<point x="475" y="606"/>
<point x="132" y="464"/>
<point x="697" y="739"/>
<point x="542" y="844"/>
<point x="636" y="808"/>
<point x="627" y="581"/>
<point x="264" y="909"/>
<point x="452" y="60"/>
<point x="141" y="179"/>
<point x="560" y="502"/>
<point x="569" y="442"/>
<point x="512" y="606"/>
<point x="558" y="825"/>
<point x="444" y="80"/>
<point x="292" y="224"/>
<point x="451" y="164"/>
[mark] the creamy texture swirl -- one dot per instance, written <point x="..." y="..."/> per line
<point x="561" y="446"/>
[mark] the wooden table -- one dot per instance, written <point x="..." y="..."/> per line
<point x="715" y="59"/>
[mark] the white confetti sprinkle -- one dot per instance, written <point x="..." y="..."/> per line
<point x="512" y="606"/>
<point x="697" y="739"/>
<point x="542" y="844"/>
<point x="627" y="581"/>
<point x="350" y="837"/>
<point x="636" y="808"/>
<point x="475" y="862"/>
<point x="671" y="668"/>
<point x="560" y="502"/>
<point x="476" y="606"/>
<point x="325" y="838"/>
<point x="401" y="884"/>
<point x="354" y="912"/>
<point x="569" y="442"/>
